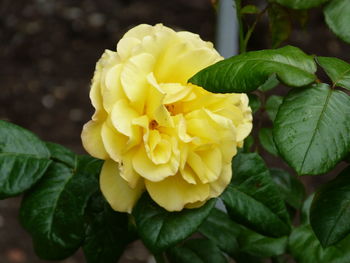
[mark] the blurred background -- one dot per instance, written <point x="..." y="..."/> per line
<point x="48" y="51"/>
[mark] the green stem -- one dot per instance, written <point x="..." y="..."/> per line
<point x="160" y="258"/>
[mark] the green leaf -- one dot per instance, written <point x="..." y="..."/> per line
<point x="272" y="105"/>
<point x="24" y="159"/>
<point x="220" y="229"/>
<point x="338" y="70"/>
<point x="270" y="83"/>
<point x="301" y="4"/>
<point x="330" y="210"/>
<point x="107" y="232"/>
<point x="160" y="229"/>
<point x="279" y="23"/>
<point x="248" y="71"/>
<point x="250" y="9"/>
<point x="338" y="18"/>
<point x="266" y="140"/>
<point x="61" y="154"/>
<point x="305" y="210"/>
<point x="248" y="143"/>
<point x="253" y="199"/>
<point x="261" y="246"/>
<point x="196" y="251"/>
<point x="291" y="188"/>
<point x="305" y="248"/>
<point x="53" y="211"/>
<point x="312" y="129"/>
<point x="254" y="102"/>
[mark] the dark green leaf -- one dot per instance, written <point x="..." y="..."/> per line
<point x="270" y="83"/>
<point x="338" y="70"/>
<point x="248" y="71"/>
<point x="107" y="232"/>
<point x="305" y="248"/>
<point x="24" y="159"/>
<point x="254" y="102"/>
<point x="305" y="210"/>
<point x="248" y="143"/>
<point x="160" y="229"/>
<point x="330" y="210"/>
<point x="53" y="211"/>
<point x="280" y="24"/>
<point x="196" y="251"/>
<point x="291" y="188"/>
<point x="261" y="246"/>
<point x="220" y="229"/>
<point x="266" y="140"/>
<point x="311" y="130"/>
<point x="301" y="4"/>
<point x="61" y="154"/>
<point x="250" y="9"/>
<point x="253" y="199"/>
<point x="272" y="105"/>
<point x="338" y="18"/>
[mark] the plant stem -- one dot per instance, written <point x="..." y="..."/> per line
<point x="160" y="258"/>
<point x="242" y="46"/>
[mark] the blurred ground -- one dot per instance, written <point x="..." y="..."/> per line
<point x="48" y="50"/>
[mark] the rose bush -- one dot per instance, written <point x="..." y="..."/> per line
<point x="157" y="132"/>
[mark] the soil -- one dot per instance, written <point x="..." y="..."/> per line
<point x="48" y="51"/>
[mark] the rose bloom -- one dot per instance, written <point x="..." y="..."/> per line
<point x="157" y="132"/>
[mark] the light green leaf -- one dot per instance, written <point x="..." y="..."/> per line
<point x="250" y="9"/>
<point x="272" y="105"/>
<point x="24" y="159"/>
<point x="337" y="14"/>
<point x="312" y="129"/>
<point x="266" y="140"/>
<point x="270" y="83"/>
<point x="338" y="70"/>
<point x="248" y="71"/>
<point x="160" y="229"/>
<point x="53" y="211"/>
<point x="280" y="24"/>
<point x="330" y="210"/>
<point x="253" y="199"/>
<point x="301" y="4"/>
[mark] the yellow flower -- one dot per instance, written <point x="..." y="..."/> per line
<point x="156" y="132"/>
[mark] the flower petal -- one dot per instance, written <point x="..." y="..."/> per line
<point x="92" y="139"/>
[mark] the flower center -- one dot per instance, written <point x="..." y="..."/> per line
<point x="153" y="124"/>
<point x="171" y="109"/>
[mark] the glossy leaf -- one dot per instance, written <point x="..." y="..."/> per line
<point x="338" y="18"/>
<point x="312" y="129"/>
<point x="270" y="83"/>
<point x="196" y="251"/>
<point x="305" y="248"/>
<point x="291" y="188"/>
<point x="61" y="154"/>
<point x="279" y="23"/>
<point x="266" y="140"/>
<point x="107" y="232"/>
<point x="338" y="70"/>
<point x="301" y="4"/>
<point x="253" y="199"/>
<point x="248" y="71"/>
<point x="24" y="159"/>
<point x="53" y="211"/>
<point x="272" y="105"/>
<point x="330" y="210"/>
<point x="220" y="229"/>
<point x="160" y="229"/>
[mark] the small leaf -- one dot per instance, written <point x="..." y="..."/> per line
<point x="248" y="143"/>
<point x="253" y="199"/>
<point x="266" y="140"/>
<point x="250" y="9"/>
<point x="280" y="24"/>
<point x="272" y="105"/>
<point x="261" y="246"/>
<point x="305" y="248"/>
<point x="301" y="4"/>
<point x="254" y="102"/>
<point x="338" y="19"/>
<point x="196" y="251"/>
<point x="305" y="210"/>
<point x="270" y="83"/>
<point x="107" y="232"/>
<point x="53" y="211"/>
<point x="61" y="154"/>
<point x="220" y="229"/>
<point x="330" y="210"/>
<point x="291" y="188"/>
<point x="160" y="229"/>
<point x="338" y="70"/>
<point x="248" y="71"/>
<point x="24" y="159"/>
<point x="311" y="130"/>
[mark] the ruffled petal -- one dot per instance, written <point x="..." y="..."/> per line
<point x="92" y="139"/>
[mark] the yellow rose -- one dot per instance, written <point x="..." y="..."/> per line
<point x="156" y="132"/>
